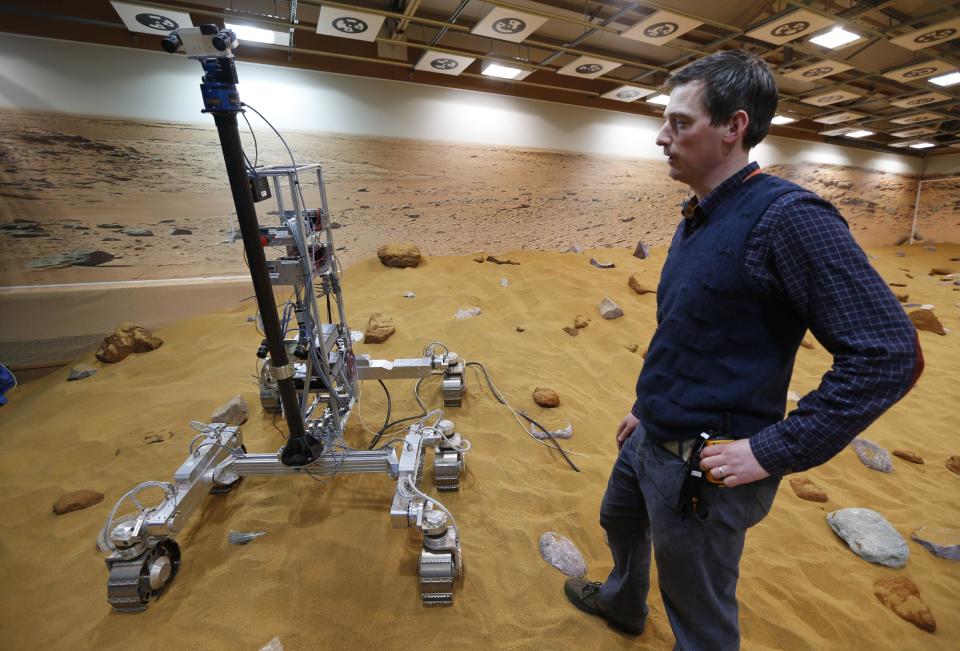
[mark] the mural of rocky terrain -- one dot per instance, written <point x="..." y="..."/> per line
<point x="97" y="199"/>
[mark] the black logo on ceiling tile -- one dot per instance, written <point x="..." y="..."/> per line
<point x="829" y="99"/>
<point x="349" y="25"/>
<point x="919" y="72"/>
<point x="659" y="30"/>
<point x="628" y="94"/>
<point x="790" y="29"/>
<point x="818" y="71"/>
<point x="509" y="26"/>
<point x="589" y="68"/>
<point x="157" y="22"/>
<point x="921" y="100"/>
<point x="917" y="118"/>
<point x="444" y="64"/>
<point x="935" y="35"/>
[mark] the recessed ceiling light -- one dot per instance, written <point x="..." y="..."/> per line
<point x="258" y="34"/>
<point x="504" y="72"/>
<point x="782" y="119"/>
<point x="922" y="145"/>
<point x="835" y="38"/>
<point x="858" y="134"/>
<point x="946" y="80"/>
<point x="662" y="100"/>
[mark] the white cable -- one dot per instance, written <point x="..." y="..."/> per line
<point x="515" y="413"/>
<point x="169" y="491"/>
<point x="416" y="491"/>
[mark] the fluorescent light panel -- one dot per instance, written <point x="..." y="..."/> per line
<point x="946" y="80"/>
<point x="836" y="37"/>
<point x="922" y="145"/>
<point x="782" y="119"/>
<point x="503" y="72"/>
<point x="662" y="100"/>
<point x="859" y="134"/>
<point x="258" y="34"/>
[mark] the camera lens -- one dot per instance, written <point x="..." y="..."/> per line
<point x="171" y="43"/>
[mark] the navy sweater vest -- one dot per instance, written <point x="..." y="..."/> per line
<point x="723" y="352"/>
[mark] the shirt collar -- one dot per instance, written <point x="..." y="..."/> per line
<point x="718" y="194"/>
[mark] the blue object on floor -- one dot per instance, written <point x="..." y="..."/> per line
<point x="7" y="382"/>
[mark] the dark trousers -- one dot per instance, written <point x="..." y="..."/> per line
<point x="698" y="557"/>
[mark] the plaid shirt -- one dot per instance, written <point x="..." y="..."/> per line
<point x="802" y="250"/>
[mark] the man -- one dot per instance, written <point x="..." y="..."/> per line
<point x="756" y="261"/>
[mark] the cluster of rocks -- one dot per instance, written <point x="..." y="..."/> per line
<point x="23" y="228"/>
<point x="871" y="537"/>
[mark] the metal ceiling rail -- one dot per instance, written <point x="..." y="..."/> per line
<point x="588" y="33"/>
<point x="453" y="17"/>
<point x="589" y="93"/>
<point x="401" y="27"/>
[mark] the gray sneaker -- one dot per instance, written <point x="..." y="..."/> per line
<point x="585" y="595"/>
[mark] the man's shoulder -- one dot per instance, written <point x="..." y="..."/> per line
<point x="797" y="202"/>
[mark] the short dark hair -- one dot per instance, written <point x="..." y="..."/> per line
<point x="733" y="80"/>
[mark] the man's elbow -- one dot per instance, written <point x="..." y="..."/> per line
<point x="914" y="366"/>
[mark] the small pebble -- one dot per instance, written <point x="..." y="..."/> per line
<point x="243" y="537"/>
<point x="872" y="455"/>
<point x="912" y="457"/>
<point x="467" y="313"/>
<point x="80" y="372"/>
<point x="805" y="489"/>
<point x="609" y="309"/>
<point x="939" y="541"/>
<point x="546" y="397"/>
<point x="902" y="596"/>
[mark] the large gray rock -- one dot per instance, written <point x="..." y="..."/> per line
<point x="940" y="541"/>
<point x="870" y="536"/>
<point x="872" y="455"/>
<point x="560" y="552"/>
<point x="235" y="412"/>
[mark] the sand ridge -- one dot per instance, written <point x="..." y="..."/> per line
<point x="331" y="573"/>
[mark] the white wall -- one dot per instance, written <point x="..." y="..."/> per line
<point x="51" y="75"/>
<point x="943" y="165"/>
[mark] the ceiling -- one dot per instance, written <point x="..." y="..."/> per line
<point x="879" y="83"/>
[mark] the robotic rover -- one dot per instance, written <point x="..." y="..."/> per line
<point x="315" y="391"/>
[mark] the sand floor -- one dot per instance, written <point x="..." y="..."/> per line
<point x="332" y="573"/>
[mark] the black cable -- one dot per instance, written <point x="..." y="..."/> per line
<point x="256" y="148"/>
<point x="379" y="435"/>
<point x="550" y="437"/>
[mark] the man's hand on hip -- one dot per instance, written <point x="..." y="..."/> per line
<point x="627" y="425"/>
<point x="733" y="463"/>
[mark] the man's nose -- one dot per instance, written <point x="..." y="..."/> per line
<point x="663" y="138"/>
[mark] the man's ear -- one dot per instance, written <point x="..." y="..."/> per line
<point x="737" y="127"/>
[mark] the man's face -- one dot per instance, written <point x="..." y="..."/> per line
<point x="692" y="146"/>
